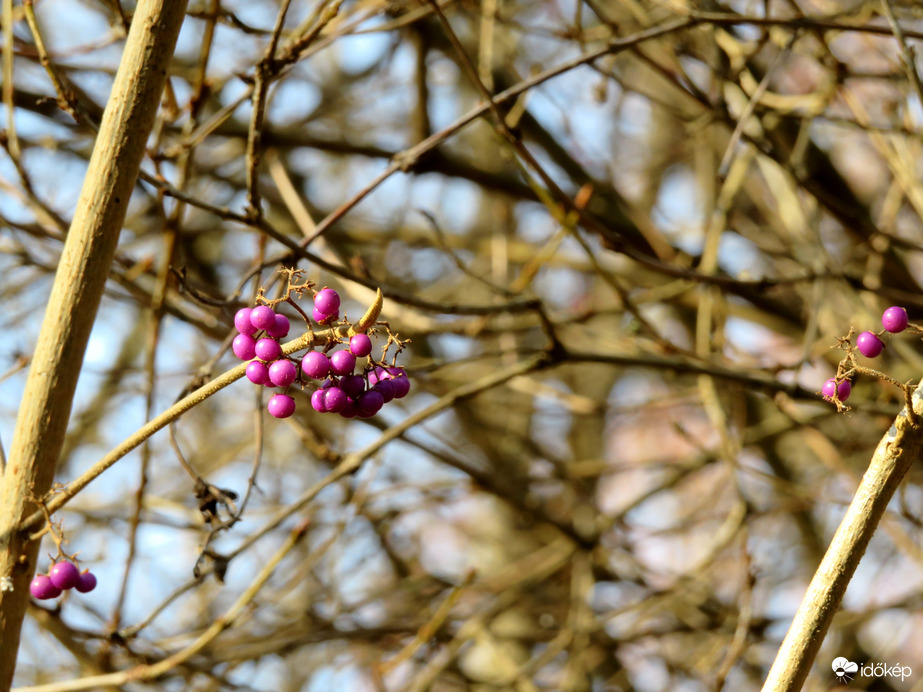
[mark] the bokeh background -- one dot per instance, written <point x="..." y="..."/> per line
<point x="637" y="281"/>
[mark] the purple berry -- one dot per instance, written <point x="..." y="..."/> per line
<point x="282" y="373"/>
<point x="869" y="345"/>
<point x="342" y="363"/>
<point x="327" y="301"/>
<point x="242" y="321"/>
<point x="401" y="386"/>
<point x="244" y="347"/>
<point x="377" y="375"/>
<point x="315" y="364"/>
<point x="43" y="588"/>
<point x="353" y="385"/>
<point x="370" y="403"/>
<point x="843" y="389"/>
<point x="317" y="401"/>
<point x="323" y="317"/>
<point x="268" y="350"/>
<point x="360" y="345"/>
<point x="257" y="372"/>
<point x="895" y="319"/>
<point x="87" y="582"/>
<point x="334" y="399"/>
<point x="64" y="575"/>
<point x="386" y="389"/>
<point x="349" y="410"/>
<point x="263" y="317"/>
<point x="281" y="406"/>
<point x="280" y="328"/>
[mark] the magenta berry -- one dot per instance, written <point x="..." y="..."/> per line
<point x="370" y="403"/>
<point x="281" y="327"/>
<point x="268" y="349"/>
<point x="334" y="399"/>
<point x="869" y="345"/>
<point x="317" y="401"/>
<point x="43" y="588"/>
<point x="257" y="372"/>
<point x="242" y="321"/>
<point x="282" y="373"/>
<point x="315" y="364"/>
<point x="263" y="317"/>
<point x="64" y="575"/>
<point x="281" y="406"/>
<point x="342" y="363"/>
<point x="86" y="583"/>
<point x="894" y="319"/>
<point x="360" y="345"/>
<point x="244" y="347"/>
<point x="377" y="375"/>
<point x="323" y="317"/>
<point x="842" y="389"/>
<point x="327" y="301"/>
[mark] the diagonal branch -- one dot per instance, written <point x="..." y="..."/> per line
<point x="895" y="454"/>
<point x="75" y="297"/>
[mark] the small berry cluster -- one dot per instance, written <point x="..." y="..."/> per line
<point x="869" y="344"/>
<point x="343" y="392"/>
<point x="62" y="577"/>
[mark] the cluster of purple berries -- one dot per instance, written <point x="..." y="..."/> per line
<point x="869" y="344"/>
<point x="342" y="391"/>
<point x="61" y="577"/>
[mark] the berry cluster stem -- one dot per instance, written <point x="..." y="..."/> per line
<point x="55" y="501"/>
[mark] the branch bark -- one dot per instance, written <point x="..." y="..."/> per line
<point x="895" y="454"/>
<point x="74" y="300"/>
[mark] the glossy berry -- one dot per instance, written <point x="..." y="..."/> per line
<point x="386" y="389"/>
<point x="334" y="399"/>
<point x="323" y="317"/>
<point x="401" y="386"/>
<point x="360" y="345"/>
<point x="327" y="301"/>
<point x="282" y="373"/>
<point x="370" y="403"/>
<point x="280" y="328"/>
<point x="257" y="372"/>
<point x="64" y="575"/>
<point x="43" y="588"/>
<point x="317" y="401"/>
<point x="869" y="345"/>
<point x="843" y="389"/>
<point x="244" y="347"/>
<point x="353" y="385"/>
<point x="242" y="321"/>
<point x="315" y="364"/>
<point x="377" y="375"/>
<point x="268" y="350"/>
<point x="87" y="582"/>
<point x="263" y="317"/>
<point x="342" y="363"/>
<point x="281" y="406"/>
<point x="894" y="319"/>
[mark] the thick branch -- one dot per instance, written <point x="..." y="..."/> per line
<point x="75" y="296"/>
<point x="895" y="454"/>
